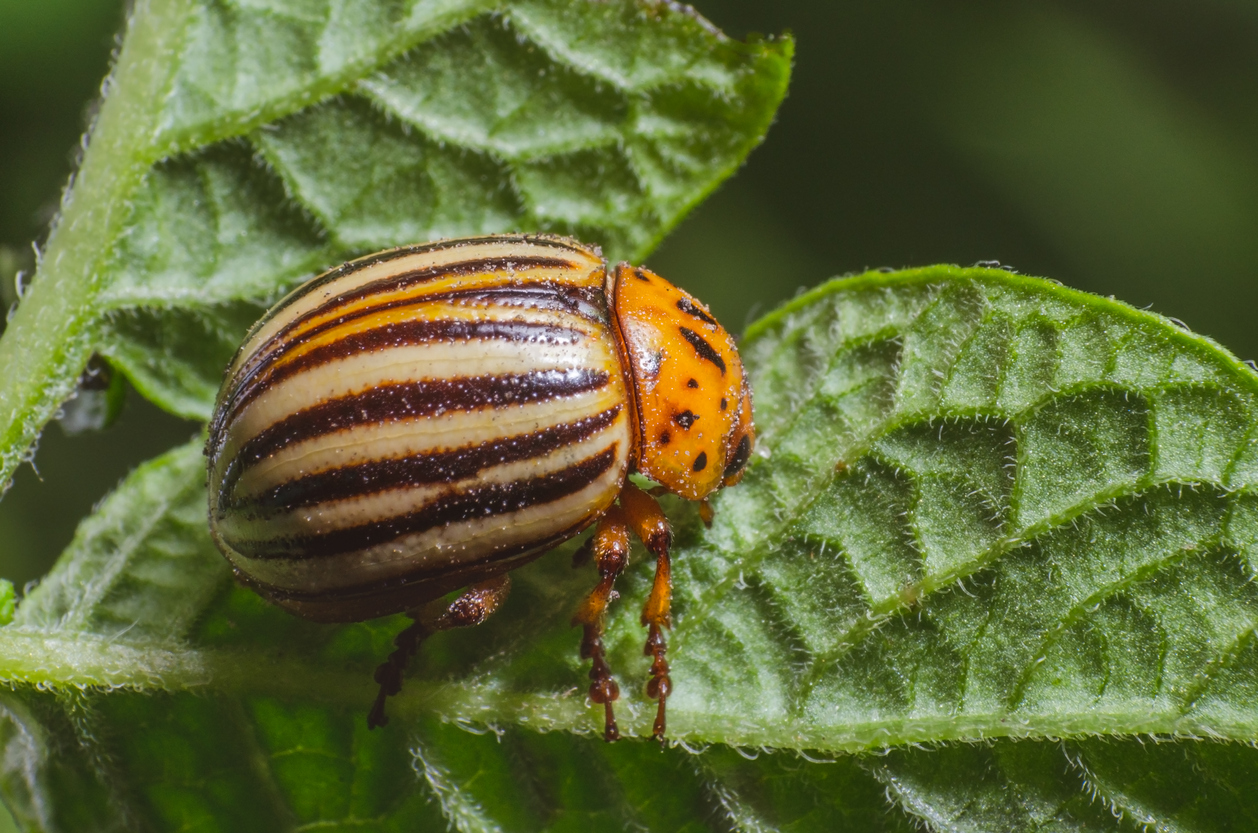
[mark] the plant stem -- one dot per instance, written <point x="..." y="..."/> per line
<point x="48" y="341"/>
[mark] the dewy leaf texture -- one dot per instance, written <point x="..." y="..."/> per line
<point x="991" y="569"/>
<point x="242" y="147"/>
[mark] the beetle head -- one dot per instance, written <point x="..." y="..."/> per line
<point x="691" y="397"/>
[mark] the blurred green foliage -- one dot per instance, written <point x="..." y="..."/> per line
<point x="1109" y="146"/>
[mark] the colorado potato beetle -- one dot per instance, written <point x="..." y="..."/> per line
<point x="429" y="418"/>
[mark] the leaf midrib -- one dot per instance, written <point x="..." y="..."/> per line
<point x="243" y="672"/>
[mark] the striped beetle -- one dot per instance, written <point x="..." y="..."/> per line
<point x="429" y="418"/>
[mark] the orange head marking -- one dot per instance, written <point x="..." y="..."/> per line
<point x="691" y="397"/>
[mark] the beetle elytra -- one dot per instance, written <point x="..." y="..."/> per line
<point x="429" y="418"/>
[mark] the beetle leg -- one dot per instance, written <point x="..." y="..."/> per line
<point x="610" y="547"/>
<point x="583" y="553"/>
<point x="474" y="606"/>
<point x="649" y="522"/>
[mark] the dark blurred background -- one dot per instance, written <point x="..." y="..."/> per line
<point x="1112" y="146"/>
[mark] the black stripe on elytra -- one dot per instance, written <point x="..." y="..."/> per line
<point x="266" y="353"/>
<point x="586" y="302"/>
<point x="407" y="333"/>
<point x="544" y="295"/>
<point x="687" y="307"/>
<point x="455" y="507"/>
<point x="441" y="578"/>
<point x="739" y="458"/>
<point x="407" y="400"/>
<point x="391" y="283"/>
<point x="405" y="280"/>
<point x="704" y="349"/>
<point x="406" y="251"/>
<point x="446" y="466"/>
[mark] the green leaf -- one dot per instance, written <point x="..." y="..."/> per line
<point x="999" y="535"/>
<point x="242" y="147"/>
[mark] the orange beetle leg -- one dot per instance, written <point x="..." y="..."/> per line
<point x="610" y="547"/>
<point x="648" y="521"/>
<point x="706" y="513"/>
<point x="474" y="606"/>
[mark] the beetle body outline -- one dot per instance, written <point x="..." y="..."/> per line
<point x="432" y="417"/>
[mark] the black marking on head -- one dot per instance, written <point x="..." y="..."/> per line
<point x="701" y="462"/>
<point x="702" y="347"/>
<point x="685" y="419"/>
<point x="692" y="384"/>
<point x="739" y="458"/>
<point x="640" y="275"/>
<point x="724" y="403"/>
<point x="685" y="305"/>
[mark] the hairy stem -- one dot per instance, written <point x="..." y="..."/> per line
<point x="48" y="341"/>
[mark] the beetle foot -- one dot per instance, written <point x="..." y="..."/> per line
<point x="603" y="687"/>
<point x="389" y="673"/>
<point x="476" y="604"/>
<point x="660" y="685"/>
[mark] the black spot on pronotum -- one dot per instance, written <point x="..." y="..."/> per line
<point x="739" y="458"/>
<point x="692" y="384"/>
<point x="689" y="308"/>
<point x="685" y="419"/>
<point x="702" y="347"/>
<point x="666" y="438"/>
<point x="724" y="403"/>
<point x="701" y="462"/>
<point x="637" y="273"/>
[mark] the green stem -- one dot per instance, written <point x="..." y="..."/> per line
<point x="60" y="661"/>
<point x="49" y="340"/>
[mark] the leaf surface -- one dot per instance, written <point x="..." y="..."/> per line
<point x="243" y="147"/>
<point x="998" y="537"/>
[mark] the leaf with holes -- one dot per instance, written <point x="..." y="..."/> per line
<point x="984" y="508"/>
<point x="243" y="146"/>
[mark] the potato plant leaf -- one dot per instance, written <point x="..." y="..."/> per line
<point x="241" y="147"/>
<point x="991" y="569"/>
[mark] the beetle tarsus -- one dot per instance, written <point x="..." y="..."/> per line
<point x="610" y="547"/>
<point x="389" y="673"/>
<point x="603" y="688"/>
<point x="660" y="685"/>
<point x="651" y="525"/>
<point x="472" y="607"/>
